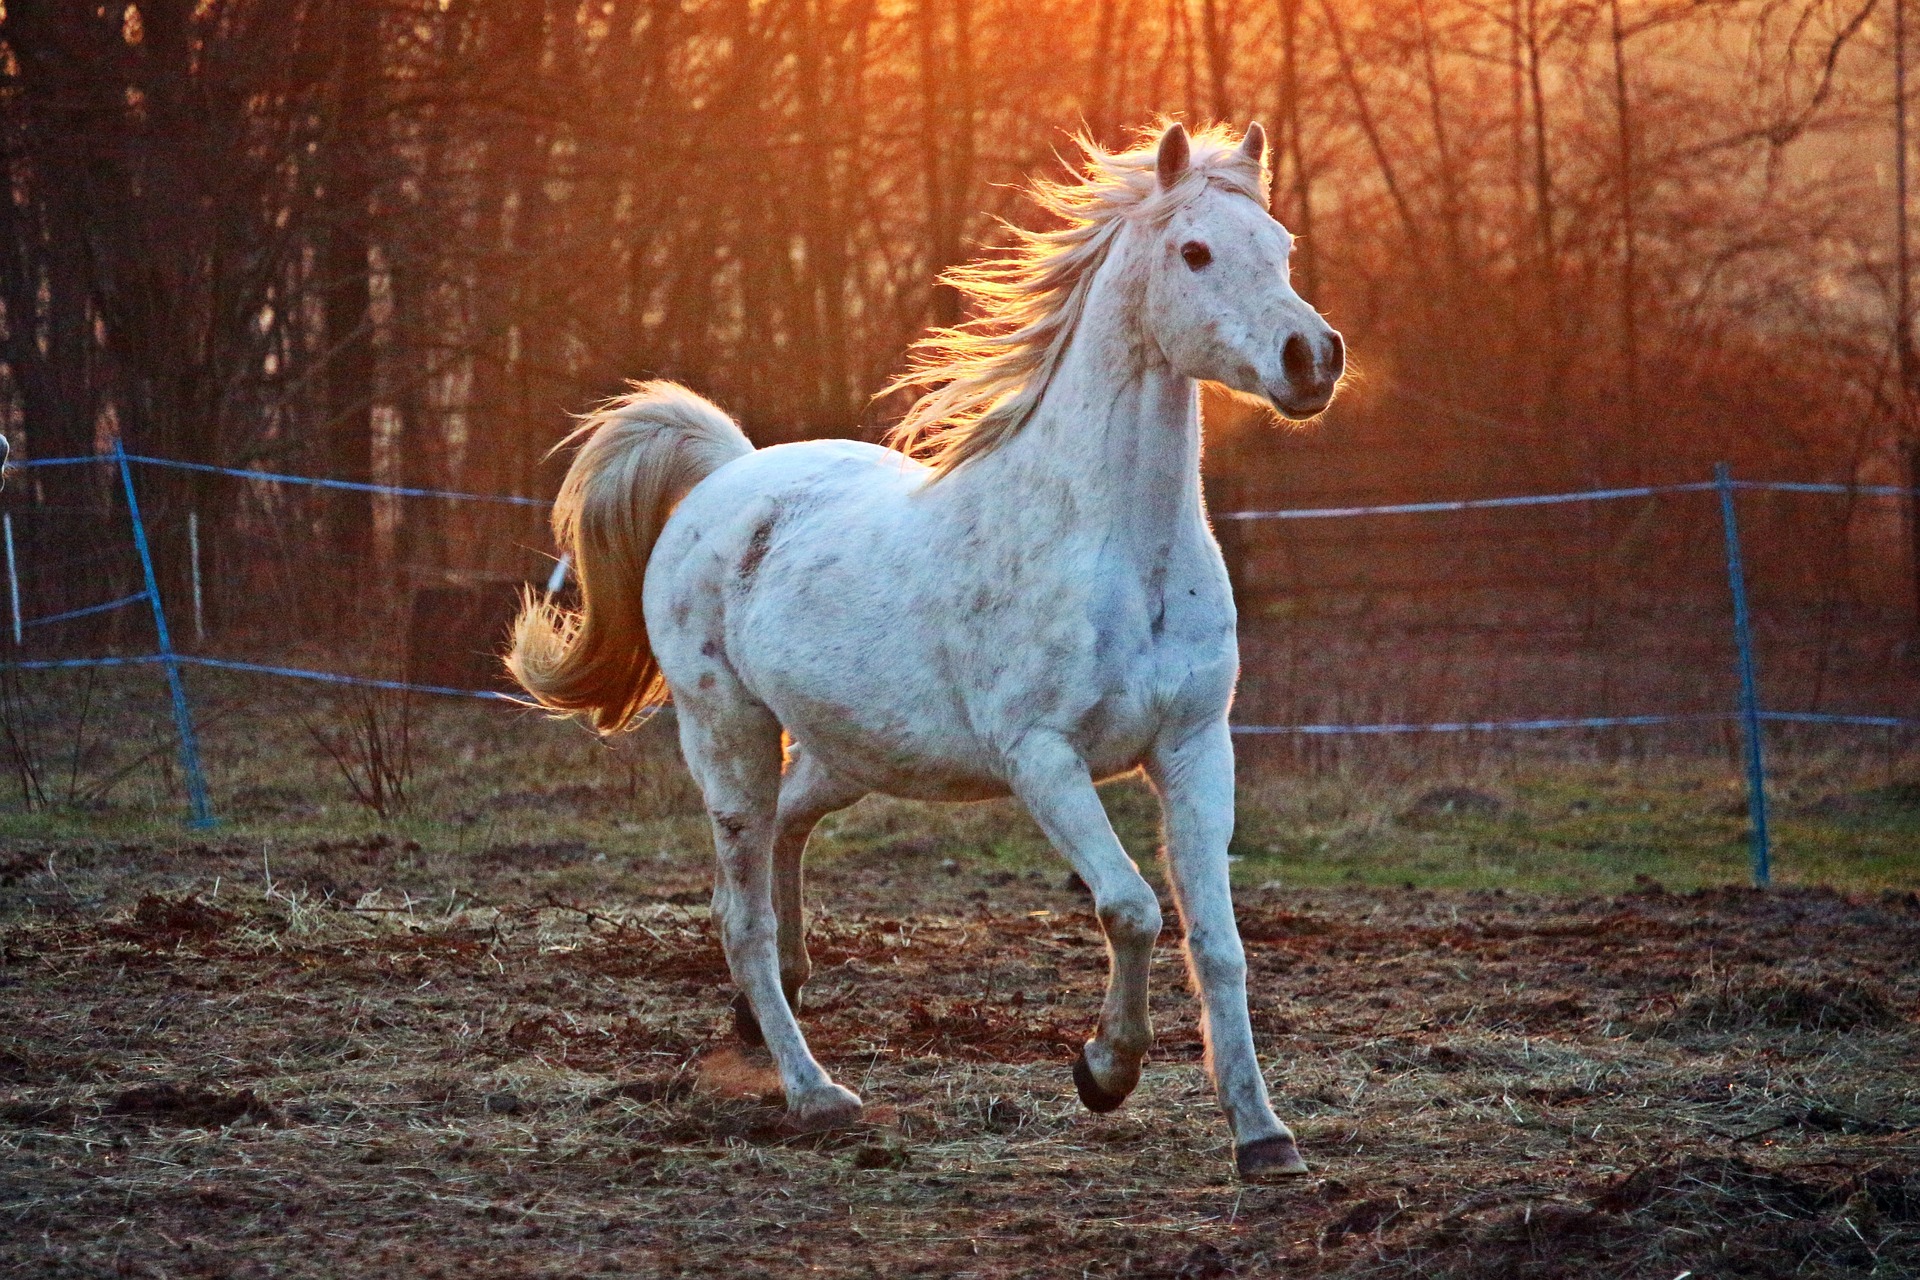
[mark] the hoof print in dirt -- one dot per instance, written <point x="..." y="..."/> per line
<point x="1205" y="1262"/>
<point x="185" y="1107"/>
<point x="1362" y="1219"/>
<point x="1275" y="1157"/>
<point x="877" y="1156"/>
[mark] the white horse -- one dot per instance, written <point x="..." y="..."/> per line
<point x="1037" y="605"/>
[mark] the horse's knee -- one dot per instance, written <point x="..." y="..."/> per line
<point x="740" y="925"/>
<point x="1217" y="959"/>
<point x="1132" y="918"/>
<point x="739" y="834"/>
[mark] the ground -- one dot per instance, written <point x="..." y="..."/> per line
<point x="219" y="1078"/>
<point x="488" y="1035"/>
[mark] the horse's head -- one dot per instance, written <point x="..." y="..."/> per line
<point x="1219" y="302"/>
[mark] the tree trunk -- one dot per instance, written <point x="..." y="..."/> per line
<point x="1216" y="30"/>
<point x="935" y="163"/>
<point x="1629" y="231"/>
<point x="1300" y="215"/>
<point x="1904" y="355"/>
<point x="346" y="284"/>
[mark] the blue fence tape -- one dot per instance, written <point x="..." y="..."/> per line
<point x="1250" y="730"/>
<point x="364" y="682"/>
<point x="1552" y="499"/>
<point x="58" y="664"/>
<point x="60" y="462"/>
<point x="356" y="486"/>
<point x="121" y="603"/>
<point x="229" y="664"/>
<point x="1479" y="726"/>
<point x="1810" y="486"/>
<point x="1821" y="717"/>
<point x="1465" y="504"/>
<point x="276" y="477"/>
<point x="1579" y="722"/>
<point x="1296" y="513"/>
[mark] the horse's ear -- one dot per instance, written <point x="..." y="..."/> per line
<point x="1175" y="152"/>
<point x="1254" y="145"/>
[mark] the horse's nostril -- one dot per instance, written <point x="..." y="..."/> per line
<point x="1297" y="357"/>
<point x="1336" y="357"/>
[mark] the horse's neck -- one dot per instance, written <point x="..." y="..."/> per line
<point x="1113" y="447"/>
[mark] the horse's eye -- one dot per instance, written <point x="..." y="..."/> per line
<point x="1196" y="254"/>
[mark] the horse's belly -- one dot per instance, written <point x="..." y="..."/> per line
<point x="906" y="770"/>
<point x="890" y="746"/>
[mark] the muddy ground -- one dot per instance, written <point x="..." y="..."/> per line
<point x="352" y="1059"/>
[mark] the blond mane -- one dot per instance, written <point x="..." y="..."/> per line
<point x="988" y="372"/>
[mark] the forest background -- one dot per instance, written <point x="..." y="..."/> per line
<point x="1571" y="243"/>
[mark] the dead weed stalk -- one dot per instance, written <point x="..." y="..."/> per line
<point x="374" y="751"/>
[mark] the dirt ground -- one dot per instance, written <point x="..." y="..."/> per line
<point x="359" y="1058"/>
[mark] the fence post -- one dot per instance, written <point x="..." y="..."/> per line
<point x="13" y="579"/>
<point x="199" y="810"/>
<point x="193" y="559"/>
<point x="1749" y="696"/>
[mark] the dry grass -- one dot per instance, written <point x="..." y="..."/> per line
<point x="368" y="1064"/>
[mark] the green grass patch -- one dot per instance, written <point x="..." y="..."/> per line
<point x="93" y="758"/>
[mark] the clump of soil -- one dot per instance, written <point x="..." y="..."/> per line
<point x="1739" y="1217"/>
<point x="1749" y="999"/>
<point x="158" y="920"/>
<point x="188" y="1107"/>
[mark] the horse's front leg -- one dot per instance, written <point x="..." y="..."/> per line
<point x="1195" y="778"/>
<point x="1052" y="781"/>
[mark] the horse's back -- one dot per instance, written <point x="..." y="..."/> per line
<point x="780" y="522"/>
<point x="803" y="577"/>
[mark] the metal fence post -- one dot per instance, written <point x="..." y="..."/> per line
<point x="1749" y="696"/>
<point x="199" y="810"/>
<point x="13" y="578"/>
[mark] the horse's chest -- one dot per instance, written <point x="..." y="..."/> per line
<point x="1151" y="659"/>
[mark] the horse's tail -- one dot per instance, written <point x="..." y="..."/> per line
<point x="639" y="455"/>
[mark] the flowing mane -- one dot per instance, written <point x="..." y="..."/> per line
<point x="988" y="372"/>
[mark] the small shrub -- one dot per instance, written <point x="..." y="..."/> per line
<point x="374" y="752"/>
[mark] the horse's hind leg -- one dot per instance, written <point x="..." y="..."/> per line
<point x="807" y="794"/>
<point x="732" y="745"/>
<point x="1051" y="780"/>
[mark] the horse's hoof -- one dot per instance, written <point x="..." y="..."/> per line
<point x="745" y="1025"/>
<point x="832" y="1107"/>
<point x="1096" y="1099"/>
<point x="1275" y="1157"/>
